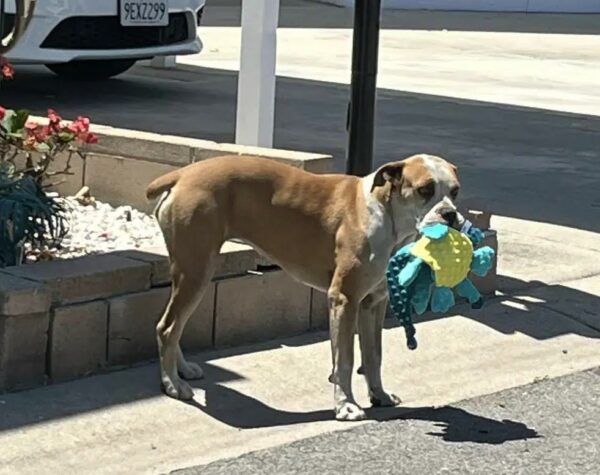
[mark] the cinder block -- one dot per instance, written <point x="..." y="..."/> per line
<point x="87" y="278"/>
<point x="312" y="162"/>
<point x="319" y="165"/>
<point x="480" y="219"/>
<point x="235" y="259"/>
<point x="260" y="307"/>
<point x="133" y="319"/>
<point x="158" y="260"/>
<point x="121" y="181"/>
<point x="319" y="311"/>
<point x="144" y="145"/>
<point x="21" y="296"/>
<point x="180" y="151"/>
<point x="132" y="323"/>
<point x="23" y="340"/>
<point x="78" y="340"/>
<point x="488" y="284"/>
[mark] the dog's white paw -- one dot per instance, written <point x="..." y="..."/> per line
<point x="190" y="370"/>
<point x="178" y="389"/>
<point x="349" y="411"/>
<point x="383" y="399"/>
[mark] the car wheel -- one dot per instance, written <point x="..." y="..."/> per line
<point x="91" y="69"/>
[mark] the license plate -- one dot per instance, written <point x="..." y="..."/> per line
<point x="144" y="12"/>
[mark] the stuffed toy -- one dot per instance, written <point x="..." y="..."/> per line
<point x="423" y="275"/>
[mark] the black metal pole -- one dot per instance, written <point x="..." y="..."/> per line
<point x="361" y="110"/>
<point x="1" y="20"/>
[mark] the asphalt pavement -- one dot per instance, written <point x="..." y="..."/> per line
<point x="548" y="427"/>
<point x="514" y="105"/>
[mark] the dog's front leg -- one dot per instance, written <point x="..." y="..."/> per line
<point x="370" y="327"/>
<point x="342" y="326"/>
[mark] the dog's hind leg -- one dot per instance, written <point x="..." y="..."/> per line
<point x="192" y="255"/>
<point x="187" y="291"/>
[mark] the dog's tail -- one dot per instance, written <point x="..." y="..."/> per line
<point x="162" y="184"/>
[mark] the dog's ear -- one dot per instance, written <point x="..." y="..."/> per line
<point x="390" y="173"/>
<point x="454" y="169"/>
<point x="386" y="179"/>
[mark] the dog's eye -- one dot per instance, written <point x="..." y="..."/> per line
<point x="427" y="191"/>
<point x="454" y="192"/>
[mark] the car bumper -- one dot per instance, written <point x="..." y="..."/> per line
<point x="50" y="15"/>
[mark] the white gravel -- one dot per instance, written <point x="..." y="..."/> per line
<point x="99" y="229"/>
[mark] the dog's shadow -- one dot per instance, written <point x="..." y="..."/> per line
<point x="238" y="410"/>
<point x="458" y="425"/>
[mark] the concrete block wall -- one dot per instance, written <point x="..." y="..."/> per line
<point x="24" y="320"/>
<point x="67" y="319"/>
<point x="119" y="168"/>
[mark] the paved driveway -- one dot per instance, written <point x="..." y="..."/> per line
<point x="516" y="109"/>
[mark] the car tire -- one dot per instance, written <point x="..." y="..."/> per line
<point x="89" y="70"/>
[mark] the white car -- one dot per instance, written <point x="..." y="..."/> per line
<point x="95" y="39"/>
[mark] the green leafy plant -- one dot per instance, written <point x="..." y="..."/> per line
<point x="27" y="215"/>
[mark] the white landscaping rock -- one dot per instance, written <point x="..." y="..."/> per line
<point x="99" y="229"/>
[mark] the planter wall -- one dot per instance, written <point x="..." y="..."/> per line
<point x="119" y="168"/>
<point x="66" y="319"/>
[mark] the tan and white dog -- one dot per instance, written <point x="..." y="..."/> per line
<point x="334" y="233"/>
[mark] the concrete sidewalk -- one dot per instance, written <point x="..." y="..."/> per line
<point x="547" y="325"/>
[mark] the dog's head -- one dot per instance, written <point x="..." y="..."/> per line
<point x="422" y="189"/>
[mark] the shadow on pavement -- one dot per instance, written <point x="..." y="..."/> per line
<point x="236" y="409"/>
<point x="241" y="411"/>
<point x="536" y="309"/>
<point x="58" y="401"/>
<point x="457" y="425"/>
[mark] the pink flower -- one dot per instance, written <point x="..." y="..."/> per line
<point x="41" y="134"/>
<point x="54" y="117"/>
<point x="37" y="132"/>
<point x="84" y="123"/>
<point x="91" y="138"/>
<point x="7" y="72"/>
<point x="2" y="112"/>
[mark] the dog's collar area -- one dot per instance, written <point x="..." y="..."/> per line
<point x="393" y="219"/>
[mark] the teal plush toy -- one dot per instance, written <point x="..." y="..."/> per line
<point x="423" y="275"/>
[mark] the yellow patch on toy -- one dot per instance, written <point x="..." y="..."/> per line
<point x="449" y="257"/>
